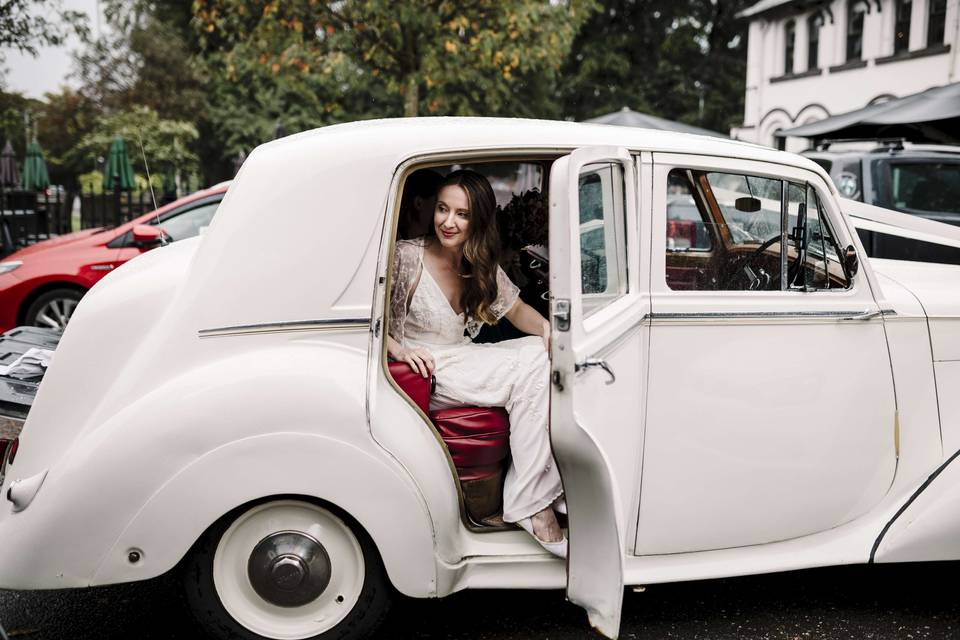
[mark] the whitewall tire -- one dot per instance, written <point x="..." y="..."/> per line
<point x="286" y="569"/>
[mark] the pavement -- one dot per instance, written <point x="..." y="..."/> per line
<point x="880" y="602"/>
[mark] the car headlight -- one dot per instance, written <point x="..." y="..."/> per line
<point x="7" y="267"/>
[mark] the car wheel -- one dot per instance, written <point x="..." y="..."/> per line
<point x="286" y="569"/>
<point x="52" y="310"/>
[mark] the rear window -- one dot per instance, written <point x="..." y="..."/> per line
<point x="926" y="186"/>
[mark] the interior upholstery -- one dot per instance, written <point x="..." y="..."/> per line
<point x="476" y="437"/>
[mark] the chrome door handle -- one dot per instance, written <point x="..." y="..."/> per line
<point x="590" y="362"/>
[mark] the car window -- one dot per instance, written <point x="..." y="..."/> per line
<point x="189" y="223"/>
<point x="602" y="235"/>
<point x="731" y="235"/>
<point x="926" y="186"/>
<point x="686" y="229"/>
<point x="822" y="268"/>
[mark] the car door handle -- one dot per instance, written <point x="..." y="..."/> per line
<point x="590" y="362"/>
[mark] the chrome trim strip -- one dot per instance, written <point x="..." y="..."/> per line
<point x="866" y="314"/>
<point x="338" y="324"/>
<point x="622" y="337"/>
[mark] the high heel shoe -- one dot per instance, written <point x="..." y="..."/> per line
<point x="558" y="548"/>
<point x="560" y="505"/>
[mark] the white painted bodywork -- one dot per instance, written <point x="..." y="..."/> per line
<point x="222" y="370"/>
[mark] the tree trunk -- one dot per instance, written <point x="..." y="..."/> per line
<point x="411" y="97"/>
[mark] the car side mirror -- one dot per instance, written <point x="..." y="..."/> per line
<point x="850" y="261"/>
<point x="747" y="204"/>
<point x="146" y="236"/>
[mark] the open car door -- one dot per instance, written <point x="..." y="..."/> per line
<point x="598" y="312"/>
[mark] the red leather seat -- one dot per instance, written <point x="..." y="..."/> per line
<point x="478" y="439"/>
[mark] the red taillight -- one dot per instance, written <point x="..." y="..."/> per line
<point x="12" y="450"/>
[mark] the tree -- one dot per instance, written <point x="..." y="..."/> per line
<point x="27" y="25"/>
<point x="166" y="143"/>
<point x="63" y="118"/>
<point x="680" y="59"/>
<point x="132" y="64"/>
<point x="437" y="56"/>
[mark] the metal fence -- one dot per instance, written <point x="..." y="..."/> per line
<point x="27" y="217"/>
<point x="112" y="208"/>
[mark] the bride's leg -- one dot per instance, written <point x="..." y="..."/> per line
<point x="532" y="482"/>
<point x="514" y="374"/>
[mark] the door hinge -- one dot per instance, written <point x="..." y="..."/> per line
<point x="376" y="328"/>
<point x="561" y="314"/>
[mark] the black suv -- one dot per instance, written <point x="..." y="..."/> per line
<point x="922" y="180"/>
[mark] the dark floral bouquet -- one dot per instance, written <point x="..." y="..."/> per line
<point x="523" y="221"/>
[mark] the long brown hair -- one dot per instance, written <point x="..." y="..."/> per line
<point x="482" y="247"/>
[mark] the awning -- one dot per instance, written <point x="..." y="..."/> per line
<point x="929" y="116"/>
<point x="627" y="117"/>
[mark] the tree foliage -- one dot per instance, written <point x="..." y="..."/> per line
<point x="430" y="56"/>
<point x="679" y="59"/>
<point x="231" y="74"/>
<point x="27" y="25"/>
<point x="167" y="144"/>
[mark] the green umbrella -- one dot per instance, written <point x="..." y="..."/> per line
<point x="119" y="171"/>
<point x="35" y="176"/>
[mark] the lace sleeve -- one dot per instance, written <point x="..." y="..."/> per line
<point x="507" y="296"/>
<point x="406" y="269"/>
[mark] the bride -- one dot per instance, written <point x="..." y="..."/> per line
<point x="447" y="284"/>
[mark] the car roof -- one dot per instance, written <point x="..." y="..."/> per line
<point x="330" y="188"/>
<point x="887" y="150"/>
<point x="403" y="136"/>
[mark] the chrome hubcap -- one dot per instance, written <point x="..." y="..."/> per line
<point x="289" y="569"/>
<point x="56" y="313"/>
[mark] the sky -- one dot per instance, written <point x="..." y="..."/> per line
<point x="36" y="76"/>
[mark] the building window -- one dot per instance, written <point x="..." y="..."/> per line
<point x="814" y="23"/>
<point x="901" y="28"/>
<point x="855" y="13"/>
<point x="935" y="24"/>
<point x="779" y="141"/>
<point x="790" y="31"/>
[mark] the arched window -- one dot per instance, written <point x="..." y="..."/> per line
<point x="790" y="33"/>
<point x="779" y="141"/>
<point x="814" y="23"/>
<point x="937" y="18"/>
<point x="901" y="28"/>
<point x="855" y="14"/>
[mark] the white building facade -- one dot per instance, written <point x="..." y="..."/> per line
<point x="810" y="59"/>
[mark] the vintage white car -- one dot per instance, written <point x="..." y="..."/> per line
<point x="736" y="389"/>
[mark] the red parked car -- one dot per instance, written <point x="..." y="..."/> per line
<point x="42" y="284"/>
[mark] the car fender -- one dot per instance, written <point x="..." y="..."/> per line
<point x="377" y="495"/>
<point x="232" y="420"/>
<point x="927" y="526"/>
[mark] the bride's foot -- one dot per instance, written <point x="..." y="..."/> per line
<point x="545" y="529"/>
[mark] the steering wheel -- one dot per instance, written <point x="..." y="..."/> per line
<point x="745" y="261"/>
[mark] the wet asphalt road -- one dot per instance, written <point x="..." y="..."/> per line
<point x="864" y="602"/>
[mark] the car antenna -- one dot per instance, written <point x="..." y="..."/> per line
<point x="153" y="197"/>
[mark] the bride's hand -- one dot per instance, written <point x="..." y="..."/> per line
<point x="545" y="334"/>
<point x="419" y="360"/>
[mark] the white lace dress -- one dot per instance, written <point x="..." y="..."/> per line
<point x="513" y="374"/>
